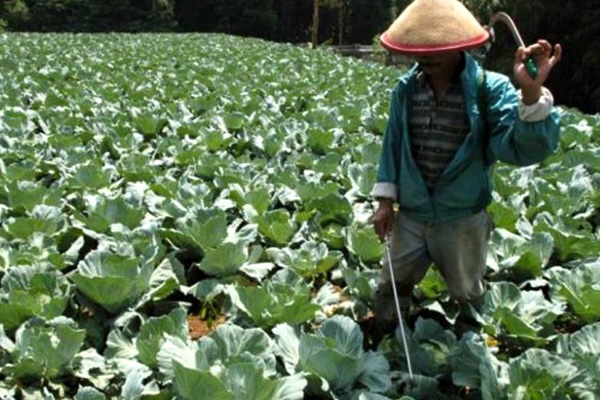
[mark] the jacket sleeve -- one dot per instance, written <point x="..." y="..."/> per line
<point x="389" y="161"/>
<point x="513" y="139"/>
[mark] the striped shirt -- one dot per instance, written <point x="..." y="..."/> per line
<point x="437" y="128"/>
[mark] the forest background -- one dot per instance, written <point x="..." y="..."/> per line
<point x="573" y="23"/>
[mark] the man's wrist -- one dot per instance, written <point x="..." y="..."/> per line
<point x="384" y="190"/>
<point x="531" y="95"/>
<point x="385" y="202"/>
<point x="537" y="111"/>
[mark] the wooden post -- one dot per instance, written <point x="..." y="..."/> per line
<point x="341" y="22"/>
<point x="315" y="25"/>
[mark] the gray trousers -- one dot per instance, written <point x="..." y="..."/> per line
<point x="458" y="248"/>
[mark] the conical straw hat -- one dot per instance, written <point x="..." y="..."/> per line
<point x="434" y="26"/>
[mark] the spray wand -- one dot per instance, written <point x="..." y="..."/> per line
<point x="398" y="310"/>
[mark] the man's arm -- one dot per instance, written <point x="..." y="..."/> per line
<point x="386" y="189"/>
<point x="527" y="135"/>
<point x="389" y="160"/>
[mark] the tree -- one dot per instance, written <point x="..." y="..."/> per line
<point x="314" y="38"/>
<point x="367" y="19"/>
<point x="89" y="15"/>
<point x="293" y="20"/>
<point x="575" y="81"/>
<point x="16" y="14"/>
<point x="132" y="15"/>
<point x="342" y="7"/>
<point x="248" y="18"/>
<point x="256" y="18"/>
<point x="194" y="15"/>
<point x="360" y="20"/>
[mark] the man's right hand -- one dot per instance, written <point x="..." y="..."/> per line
<point x="384" y="218"/>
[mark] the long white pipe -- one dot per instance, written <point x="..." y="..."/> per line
<point x="410" y="373"/>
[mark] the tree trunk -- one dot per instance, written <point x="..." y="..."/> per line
<point x="341" y="23"/>
<point x="315" y="25"/>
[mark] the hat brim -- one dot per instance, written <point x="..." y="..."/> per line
<point x="423" y="49"/>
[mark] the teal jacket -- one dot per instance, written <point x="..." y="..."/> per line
<point x="464" y="187"/>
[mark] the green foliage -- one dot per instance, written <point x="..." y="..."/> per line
<point x="578" y="286"/>
<point x="582" y="349"/>
<point x="131" y="203"/>
<point x="334" y="356"/>
<point x="29" y="291"/>
<point x="283" y="299"/>
<point x="539" y="374"/>
<point x="309" y="261"/>
<point x="474" y="366"/>
<point x="524" y="314"/>
<point x="232" y="363"/>
<point x="44" y="348"/>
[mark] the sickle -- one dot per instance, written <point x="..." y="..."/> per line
<point x="504" y="17"/>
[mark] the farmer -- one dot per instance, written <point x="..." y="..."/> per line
<point x="448" y="123"/>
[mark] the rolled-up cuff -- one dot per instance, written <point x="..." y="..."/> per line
<point x="384" y="189"/>
<point x="537" y="111"/>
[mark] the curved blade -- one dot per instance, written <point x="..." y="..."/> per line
<point x="504" y="17"/>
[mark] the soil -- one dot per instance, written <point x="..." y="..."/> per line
<point x="568" y="323"/>
<point x="340" y="291"/>
<point x="199" y="328"/>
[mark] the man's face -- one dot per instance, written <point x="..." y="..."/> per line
<point x="438" y="63"/>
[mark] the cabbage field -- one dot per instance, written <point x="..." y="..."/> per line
<point x="188" y="216"/>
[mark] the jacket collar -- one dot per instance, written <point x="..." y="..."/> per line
<point x="468" y="75"/>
